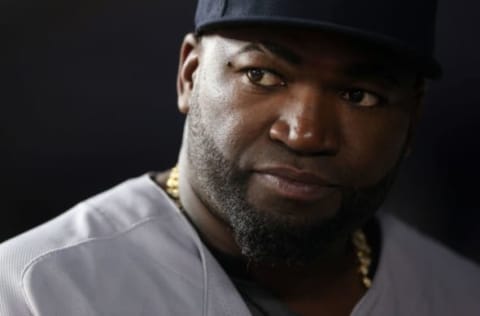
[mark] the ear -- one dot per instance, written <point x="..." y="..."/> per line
<point x="187" y="68"/>
<point x="416" y="113"/>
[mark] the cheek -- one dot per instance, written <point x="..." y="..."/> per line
<point x="374" y="145"/>
<point x="233" y="117"/>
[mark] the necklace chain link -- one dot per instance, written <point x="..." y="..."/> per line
<point x="363" y="250"/>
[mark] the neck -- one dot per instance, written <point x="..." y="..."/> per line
<point x="327" y="280"/>
<point x="330" y="283"/>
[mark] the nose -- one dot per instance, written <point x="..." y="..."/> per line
<point x="308" y="123"/>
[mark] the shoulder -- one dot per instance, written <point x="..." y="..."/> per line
<point x="400" y="239"/>
<point x="105" y="232"/>
<point x="423" y="274"/>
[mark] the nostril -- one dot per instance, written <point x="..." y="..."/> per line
<point x="305" y="139"/>
<point x="280" y="131"/>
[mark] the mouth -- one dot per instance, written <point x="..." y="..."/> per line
<point x="295" y="184"/>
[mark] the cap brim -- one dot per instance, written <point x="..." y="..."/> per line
<point x="427" y="65"/>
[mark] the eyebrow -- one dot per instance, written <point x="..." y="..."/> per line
<point x="274" y="49"/>
<point x="361" y="70"/>
<point x="372" y="71"/>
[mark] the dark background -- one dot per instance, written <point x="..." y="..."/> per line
<point x="87" y="99"/>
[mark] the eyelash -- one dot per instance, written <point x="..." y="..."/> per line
<point x="381" y="100"/>
<point x="266" y="71"/>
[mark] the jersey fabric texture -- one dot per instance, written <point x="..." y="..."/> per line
<point x="129" y="251"/>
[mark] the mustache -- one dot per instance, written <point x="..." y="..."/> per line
<point x="322" y="165"/>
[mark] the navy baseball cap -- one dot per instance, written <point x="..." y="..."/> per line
<point x="407" y="27"/>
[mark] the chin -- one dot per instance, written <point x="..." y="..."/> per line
<point x="295" y="210"/>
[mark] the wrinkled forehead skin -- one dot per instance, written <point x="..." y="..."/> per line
<point x="317" y="48"/>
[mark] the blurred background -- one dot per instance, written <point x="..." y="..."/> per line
<point x="87" y="100"/>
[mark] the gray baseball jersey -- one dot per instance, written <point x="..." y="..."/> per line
<point x="129" y="251"/>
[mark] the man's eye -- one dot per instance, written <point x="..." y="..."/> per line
<point x="361" y="98"/>
<point x="263" y="77"/>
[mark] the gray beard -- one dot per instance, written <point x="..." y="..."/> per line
<point x="264" y="237"/>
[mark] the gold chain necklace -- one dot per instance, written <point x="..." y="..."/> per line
<point x="359" y="240"/>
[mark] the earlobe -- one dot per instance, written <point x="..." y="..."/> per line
<point x="187" y="71"/>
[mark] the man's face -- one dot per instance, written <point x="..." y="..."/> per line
<point x="294" y="138"/>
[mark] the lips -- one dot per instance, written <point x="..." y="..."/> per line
<point x="294" y="184"/>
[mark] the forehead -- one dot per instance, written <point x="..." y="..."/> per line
<point x="306" y="46"/>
